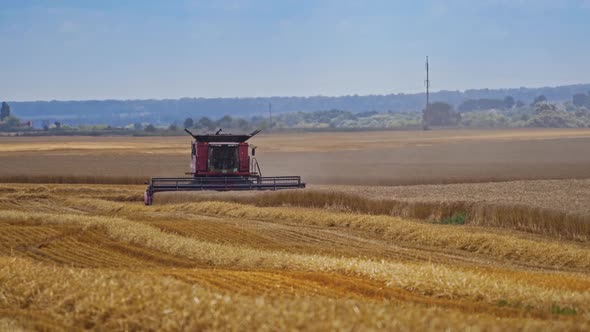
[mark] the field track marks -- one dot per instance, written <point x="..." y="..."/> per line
<point x="38" y="203"/>
<point x="305" y="284"/>
<point x="292" y="238"/>
<point x="289" y="238"/>
<point x="18" y="236"/>
<point x="90" y="248"/>
<point x="331" y="241"/>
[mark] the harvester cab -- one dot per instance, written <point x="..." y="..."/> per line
<point x="222" y="155"/>
<point x="222" y="162"/>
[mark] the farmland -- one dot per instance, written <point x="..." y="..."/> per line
<point x="359" y="158"/>
<point x="354" y="251"/>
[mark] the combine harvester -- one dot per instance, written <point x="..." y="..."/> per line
<point x="222" y="162"/>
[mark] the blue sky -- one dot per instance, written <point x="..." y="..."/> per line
<point x="195" y="48"/>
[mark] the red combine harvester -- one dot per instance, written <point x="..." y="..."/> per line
<point x="222" y="162"/>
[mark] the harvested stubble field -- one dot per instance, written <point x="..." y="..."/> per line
<point x="358" y="158"/>
<point x="331" y="257"/>
<point x="559" y="208"/>
<point x="93" y="257"/>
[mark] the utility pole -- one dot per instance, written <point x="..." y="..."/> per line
<point x="427" y="83"/>
<point x="270" y="116"/>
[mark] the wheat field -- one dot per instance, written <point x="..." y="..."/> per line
<point x="353" y="158"/>
<point x="79" y="250"/>
<point x="76" y="256"/>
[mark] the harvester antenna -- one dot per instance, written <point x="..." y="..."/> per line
<point x="219" y="131"/>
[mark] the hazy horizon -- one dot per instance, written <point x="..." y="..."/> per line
<point x="434" y="92"/>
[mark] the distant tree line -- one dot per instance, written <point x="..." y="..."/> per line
<point x="330" y="119"/>
<point x="164" y="112"/>
<point x="9" y="122"/>
<point x="440" y="114"/>
<point x="226" y="121"/>
<point x="581" y="99"/>
<point x="471" y="105"/>
<point x="472" y="113"/>
<point x="488" y="112"/>
<point x="4" y="111"/>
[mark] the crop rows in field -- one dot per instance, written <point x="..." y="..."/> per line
<point x="73" y="246"/>
<point x="85" y="259"/>
<point x="557" y="208"/>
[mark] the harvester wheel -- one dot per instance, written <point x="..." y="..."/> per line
<point x="147" y="198"/>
